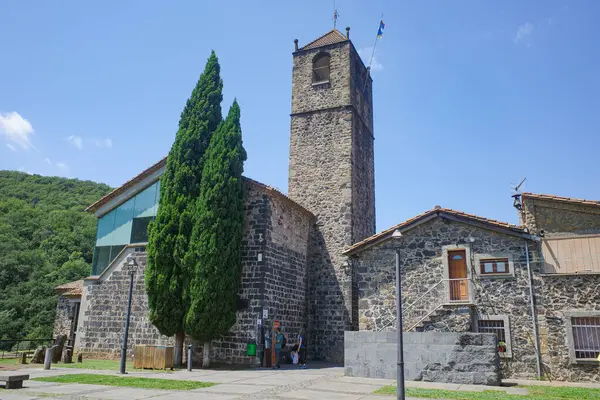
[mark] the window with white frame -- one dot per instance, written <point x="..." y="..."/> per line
<point x="500" y="326"/>
<point x="494" y="265"/>
<point x="586" y="337"/>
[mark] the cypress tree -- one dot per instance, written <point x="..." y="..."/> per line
<point x="167" y="280"/>
<point x="215" y="254"/>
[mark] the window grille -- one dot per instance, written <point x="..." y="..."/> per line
<point x="586" y="337"/>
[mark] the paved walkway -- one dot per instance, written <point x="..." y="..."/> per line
<point x="285" y="384"/>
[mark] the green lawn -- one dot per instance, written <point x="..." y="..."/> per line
<point x="111" y="380"/>
<point x="535" y="392"/>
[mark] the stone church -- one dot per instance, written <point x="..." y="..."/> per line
<point x="293" y="268"/>
<point x="312" y="260"/>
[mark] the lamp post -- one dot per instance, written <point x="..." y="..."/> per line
<point x="132" y="264"/>
<point x="397" y="236"/>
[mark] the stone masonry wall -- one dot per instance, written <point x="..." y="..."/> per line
<point x="274" y="257"/>
<point x="331" y="153"/>
<point x="556" y="297"/>
<point x="463" y="358"/>
<point x="101" y="333"/>
<point x="64" y="317"/>
<point x="422" y="264"/>
<point x="559" y="218"/>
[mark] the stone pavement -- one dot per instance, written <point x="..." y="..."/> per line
<point x="284" y="384"/>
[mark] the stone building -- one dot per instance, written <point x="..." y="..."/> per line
<point x="534" y="285"/>
<point x="293" y="268"/>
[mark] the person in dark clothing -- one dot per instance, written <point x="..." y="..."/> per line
<point x="301" y="350"/>
<point x="278" y="346"/>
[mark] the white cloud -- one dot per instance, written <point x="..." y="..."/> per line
<point x="75" y="141"/>
<point x="62" y="166"/>
<point x="16" y="129"/>
<point x="47" y="161"/>
<point x="103" y="143"/>
<point x="10" y="146"/>
<point x="524" y="33"/>
<point x="365" y="54"/>
<point x="23" y="169"/>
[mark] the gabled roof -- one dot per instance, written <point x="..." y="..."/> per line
<point x="331" y="37"/>
<point x="433" y="213"/>
<point x="559" y="198"/>
<point x="149" y="171"/>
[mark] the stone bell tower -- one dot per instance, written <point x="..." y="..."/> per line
<point x="331" y="173"/>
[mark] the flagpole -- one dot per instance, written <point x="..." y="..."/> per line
<point x="372" y="55"/>
<point x="375" y="45"/>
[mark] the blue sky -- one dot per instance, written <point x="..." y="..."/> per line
<point x="470" y="96"/>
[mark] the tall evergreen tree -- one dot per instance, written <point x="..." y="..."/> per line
<point x="167" y="280"/>
<point x="215" y="254"/>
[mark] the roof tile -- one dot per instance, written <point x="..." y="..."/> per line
<point x="416" y="218"/>
<point x="331" y="37"/>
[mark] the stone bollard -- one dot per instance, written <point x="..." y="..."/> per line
<point x="189" y="358"/>
<point x="48" y="358"/>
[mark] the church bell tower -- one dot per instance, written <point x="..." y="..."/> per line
<point x="331" y="173"/>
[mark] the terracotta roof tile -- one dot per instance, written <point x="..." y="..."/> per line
<point x="162" y="163"/>
<point x="437" y="210"/>
<point x="560" y="198"/>
<point x="74" y="288"/>
<point x="331" y="37"/>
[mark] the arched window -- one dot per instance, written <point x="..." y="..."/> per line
<point x="321" y="68"/>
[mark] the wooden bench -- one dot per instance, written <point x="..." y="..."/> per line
<point x="13" y="381"/>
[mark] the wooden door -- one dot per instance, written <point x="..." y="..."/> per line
<point x="457" y="273"/>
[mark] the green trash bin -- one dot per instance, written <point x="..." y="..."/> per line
<point x="251" y="350"/>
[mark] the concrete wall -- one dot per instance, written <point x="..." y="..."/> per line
<point x="466" y="358"/>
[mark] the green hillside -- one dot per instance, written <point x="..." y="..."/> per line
<point x="46" y="239"/>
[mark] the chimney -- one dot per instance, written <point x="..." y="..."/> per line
<point x="296" y="44"/>
<point x="348" y="32"/>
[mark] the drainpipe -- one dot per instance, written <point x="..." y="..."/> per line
<point x="536" y="337"/>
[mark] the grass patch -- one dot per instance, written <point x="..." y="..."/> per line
<point x="8" y="361"/>
<point x="535" y="392"/>
<point x="110" y="380"/>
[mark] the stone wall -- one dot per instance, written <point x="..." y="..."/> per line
<point x="274" y="258"/>
<point x="331" y="156"/>
<point x="464" y="358"/>
<point x="64" y="316"/>
<point x="557" y="297"/>
<point x="560" y="218"/>
<point x="103" y="314"/>
<point x="423" y="255"/>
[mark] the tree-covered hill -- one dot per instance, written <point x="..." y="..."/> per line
<point x="46" y="239"/>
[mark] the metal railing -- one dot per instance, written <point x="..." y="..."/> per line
<point x="14" y="348"/>
<point x="445" y="292"/>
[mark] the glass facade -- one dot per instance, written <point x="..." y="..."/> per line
<point x="126" y="224"/>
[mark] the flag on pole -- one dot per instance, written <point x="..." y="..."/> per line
<point x="381" y="28"/>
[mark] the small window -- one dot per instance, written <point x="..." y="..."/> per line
<point x="494" y="266"/>
<point x="586" y="337"/>
<point x="499" y="327"/>
<point x="321" y="68"/>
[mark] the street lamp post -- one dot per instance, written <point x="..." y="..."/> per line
<point x="397" y="236"/>
<point x="132" y="264"/>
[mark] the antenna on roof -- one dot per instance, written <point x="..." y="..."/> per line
<point x="516" y="188"/>
<point x="517" y="195"/>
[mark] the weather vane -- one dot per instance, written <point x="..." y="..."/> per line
<point x="335" y="15"/>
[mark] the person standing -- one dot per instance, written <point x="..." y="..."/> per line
<point x="278" y="346"/>
<point x="301" y="349"/>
